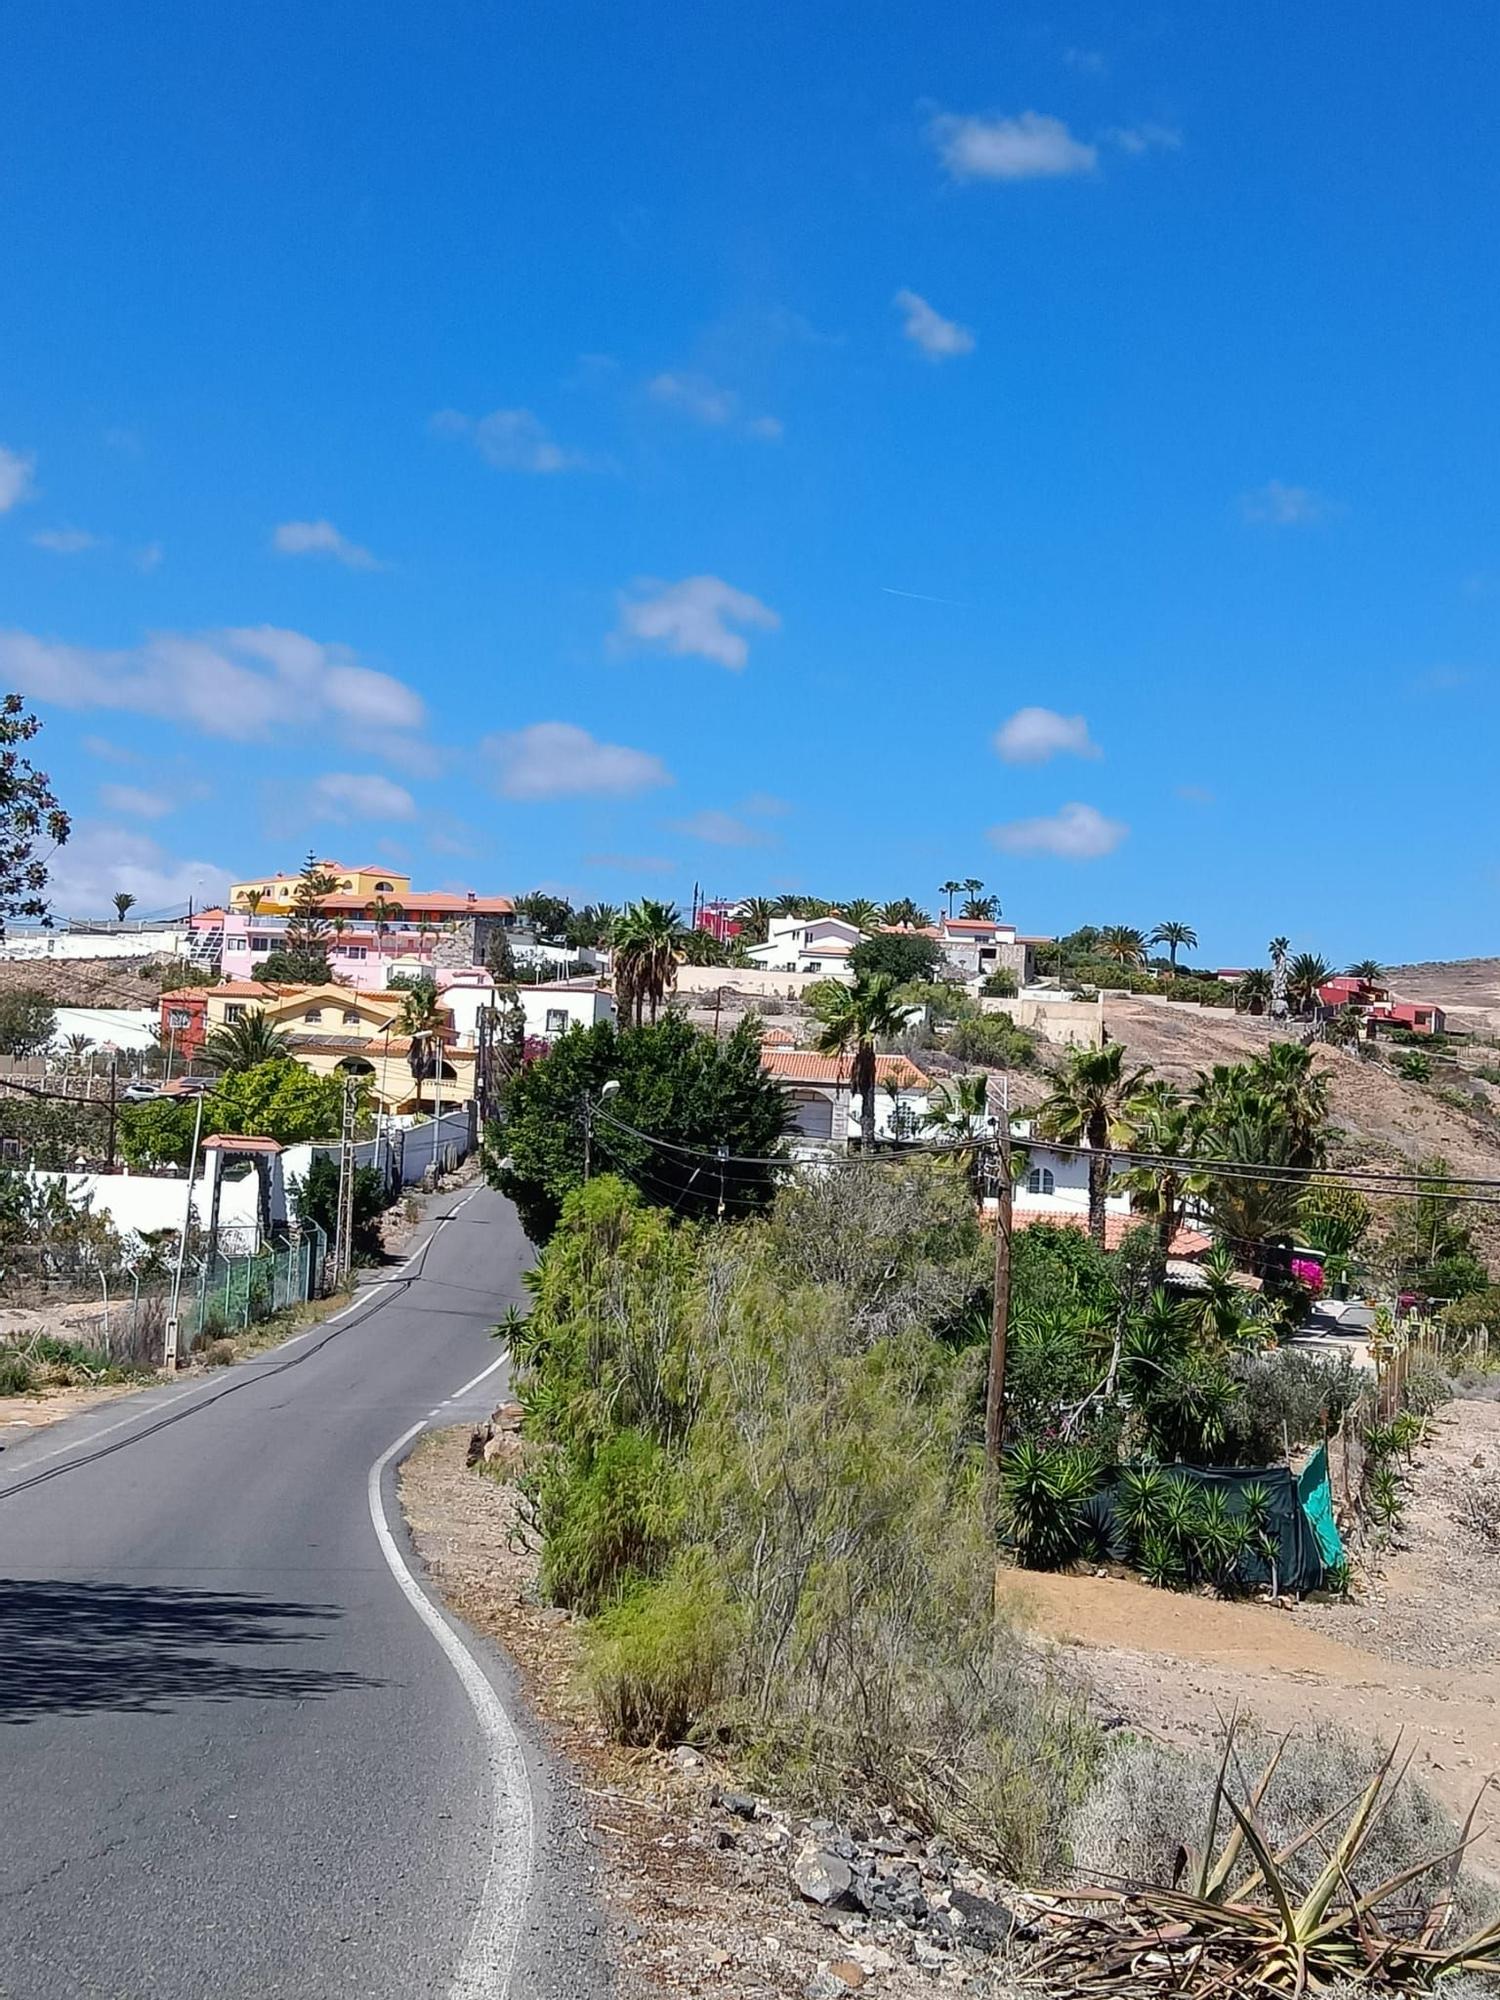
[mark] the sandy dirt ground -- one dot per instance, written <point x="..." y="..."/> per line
<point x="21" y="1415"/>
<point x="1415" y="1652"/>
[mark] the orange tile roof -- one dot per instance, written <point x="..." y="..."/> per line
<point x="234" y="989"/>
<point x="438" y="900"/>
<point x="973" y="924"/>
<point x="1186" y="1243"/>
<point x="239" y="1142"/>
<point x="806" y="1066"/>
<point x="913" y="930"/>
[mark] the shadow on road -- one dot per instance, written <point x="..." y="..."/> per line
<point x="72" y="1648"/>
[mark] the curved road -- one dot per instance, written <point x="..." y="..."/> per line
<point x="241" y="1753"/>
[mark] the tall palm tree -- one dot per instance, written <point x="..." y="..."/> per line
<point x="862" y="913"/>
<point x="591" y="925"/>
<point x="1306" y="973"/>
<point x="425" y="1021"/>
<point x="1087" y="1108"/>
<point x="383" y="914"/>
<point x="984" y="909"/>
<point x="646" y="940"/>
<point x="855" y="1019"/>
<point x="700" y="947"/>
<point x="245" y="1044"/>
<point x="950" y="889"/>
<point x="77" y="1047"/>
<point x="124" y="903"/>
<point x="1123" y="943"/>
<point x="1369" y="971"/>
<point x="904" y="911"/>
<point x="790" y="906"/>
<point x="971" y="885"/>
<point x="1176" y="937"/>
<point x="959" y="1108"/>
<point x="1161" y="1121"/>
<point x="1254" y="990"/>
<point x="756" y="913"/>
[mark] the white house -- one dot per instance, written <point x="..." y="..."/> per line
<point x="551" y="1009"/>
<point x="823" y="1107"/>
<point x="806" y="944"/>
<point x="980" y="946"/>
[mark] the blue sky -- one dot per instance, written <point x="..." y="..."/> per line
<point x="834" y="447"/>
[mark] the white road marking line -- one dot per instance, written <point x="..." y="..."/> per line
<point x="489" y="1957"/>
<point x="421" y="1247"/>
<point x="77" y="1444"/>
<point x="483" y="1375"/>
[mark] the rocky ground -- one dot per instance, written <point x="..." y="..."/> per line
<point x="710" y="1889"/>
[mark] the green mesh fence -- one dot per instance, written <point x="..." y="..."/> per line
<point x="231" y="1293"/>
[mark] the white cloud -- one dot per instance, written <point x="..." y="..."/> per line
<point x="1032" y="735"/>
<point x="249" y="683"/>
<point x="1145" y="138"/>
<point x="558" y="760"/>
<point x="514" y="440"/>
<point x="64" y="541"/>
<point x="149" y="557"/>
<point x="101" y="860"/>
<point x="1075" y="833"/>
<point x="1278" y="505"/>
<point x="135" y="800"/>
<point x="109" y="752"/>
<point x="348" y="795"/>
<point x="320" y="538"/>
<point x="1029" y="147"/>
<point x="772" y="429"/>
<point x="764" y="805"/>
<point x="939" y="339"/>
<point x="16" y="469"/>
<point x="695" y="395"/>
<point x="692" y="618"/>
<point x="721" y="829"/>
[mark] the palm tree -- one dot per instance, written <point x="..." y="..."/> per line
<point x="856" y="1018"/>
<point x="646" y="939"/>
<point x="77" y="1047"/>
<point x="591" y="926"/>
<point x="124" y="903"/>
<point x="383" y="914"/>
<point x="756" y="913"/>
<point x="1368" y="971"/>
<point x="971" y="885"/>
<point x="904" y="911"/>
<point x="950" y="889"/>
<point x="425" y="1022"/>
<point x="1176" y="937"/>
<point x="862" y="913"/>
<point x="1087" y="1108"/>
<point x="700" y="947"/>
<point x="1254" y="990"/>
<point x="1123" y="943"/>
<point x="983" y="909"/>
<point x="1161" y="1122"/>
<point x="245" y="1044"/>
<point x="959" y="1107"/>
<point x="790" y="906"/>
<point x="1305" y="975"/>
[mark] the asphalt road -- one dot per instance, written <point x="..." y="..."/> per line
<point x="241" y="1753"/>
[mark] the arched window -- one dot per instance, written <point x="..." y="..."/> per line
<point x="356" y="1066"/>
<point x="1040" y="1181"/>
<point x="313" y="1014"/>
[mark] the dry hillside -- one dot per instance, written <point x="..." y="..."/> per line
<point x="1469" y="988"/>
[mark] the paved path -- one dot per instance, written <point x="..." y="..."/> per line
<point x="240" y="1751"/>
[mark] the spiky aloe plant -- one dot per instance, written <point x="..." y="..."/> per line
<point x="1236" y="1924"/>
<point x="1043" y="1492"/>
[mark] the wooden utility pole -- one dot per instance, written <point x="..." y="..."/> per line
<point x="343" y="1237"/>
<point x="114" y="1098"/>
<point x="994" y="1401"/>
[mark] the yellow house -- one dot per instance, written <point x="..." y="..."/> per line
<point x="276" y="892"/>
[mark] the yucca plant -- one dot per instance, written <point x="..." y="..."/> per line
<point x="1161" y="1563"/>
<point x="1139" y="1500"/>
<point x="1043" y="1491"/>
<point x="1237" y="1924"/>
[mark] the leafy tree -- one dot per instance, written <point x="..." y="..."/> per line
<point x="124" y="903"/>
<point x="905" y="911"/>
<point x="245" y="1043"/>
<point x="901" y="956"/>
<point x="315" y="1199"/>
<point x="980" y="909"/>
<point x="1088" y="1108"/>
<point x="1001" y="984"/>
<point x="647" y="938"/>
<point x="1254" y="990"/>
<point x="549" y="916"/>
<point x="993" y="1039"/>
<point x="677" y="1085"/>
<point x="700" y="947"/>
<point x="499" y="959"/>
<point x="28" y="1021"/>
<point x="158" y="1133"/>
<point x="275" y="1100"/>
<point x="54" y="1133"/>
<point x="1123" y="944"/>
<point x="29" y="817"/>
<point x="863" y="1014"/>
<point x="1176" y="937"/>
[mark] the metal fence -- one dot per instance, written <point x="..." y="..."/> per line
<point x="231" y="1292"/>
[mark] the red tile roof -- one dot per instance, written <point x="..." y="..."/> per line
<point x="233" y="989"/>
<point x="806" y="1066"/>
<point x="231" y="1142"/>
<point x="973" y="924"/>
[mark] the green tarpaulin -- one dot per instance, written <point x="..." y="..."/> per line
<point x="1316" y="1495"/>
<point x="1299" y="1552"/>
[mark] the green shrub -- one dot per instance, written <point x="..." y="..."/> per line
<point x="1001" y="984"/>
<point x="1044" y="1492"/>
<point x="16" y="1373"/>
<point x="656" y="1662"/>
<point x="1289" y="1397"/>
<point x="994" y="1039"/>
<point x="219" y="1354"/>
<point x="611" y="1518"/>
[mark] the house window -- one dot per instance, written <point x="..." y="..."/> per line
<point x="260" y="944"/>
<point x="351" y="1018"/>
<point x="557" y="1021"/>
<point x="234" y="1010"/>
<point x="384" y="888"/>
<point x="1040" y="1181"/>
<point x="236" y="944"/>
<point x="313" y="1014"/>
<point x="816" y="965"/>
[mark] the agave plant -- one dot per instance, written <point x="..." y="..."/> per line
<point x="1236" y="1923"/>
<point x="1043" y="1492"/>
